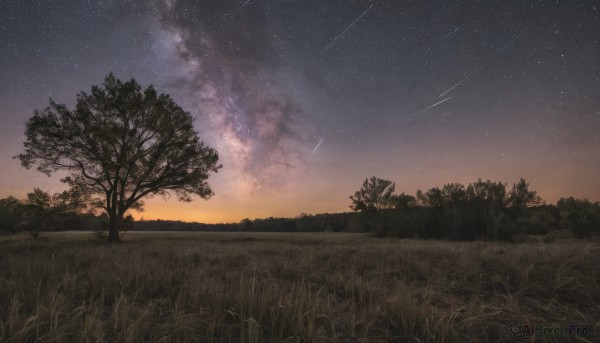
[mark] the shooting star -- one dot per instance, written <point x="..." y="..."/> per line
<point x="348" y="28"/>
<point x="458" y="83"/>
<point x="446" y="36"/>
<point x="512" y="40"/>
<point x="492" y="58"/>
<point x="455" y="30"/>
<point x="468" y="76"/>
<point x="317" y="147"/>
<point x="430" y="107"/>
<point x="244" y="4"/>
<point x="437" y="103"/>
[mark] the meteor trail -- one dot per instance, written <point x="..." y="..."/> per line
<point x="348" y="28"/>
<point x="430" y="107"/>
<point x="455" y="30"/>
<point x="456" y="84"/>
<point x="447" y="35"/>
<point x="483" y="65"/>
<point x="244" y="4"/>
<point x="317" y="147"/>
<point x="512" y="40"/>
<point x="437" y="103"/>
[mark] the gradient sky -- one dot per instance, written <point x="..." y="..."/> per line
<point x="305" y="99"/>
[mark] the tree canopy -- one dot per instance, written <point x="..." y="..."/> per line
<point x="119" y="145"/>
<point x="375" y="194"/>
<point x="521" y="197"/>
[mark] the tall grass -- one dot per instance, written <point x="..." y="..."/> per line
<point x="196" y="287"/>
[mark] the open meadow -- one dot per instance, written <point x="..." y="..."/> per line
<point x="285" y="287"/>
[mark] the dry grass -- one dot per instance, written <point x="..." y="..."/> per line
<point x="188" y="287"/>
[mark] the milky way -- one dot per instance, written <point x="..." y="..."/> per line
<point x="230" y="62"/>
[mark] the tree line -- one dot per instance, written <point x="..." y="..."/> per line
<point x="481" y="210"/>
<point x="41" y="211"/>
<point x="122" y="144"/>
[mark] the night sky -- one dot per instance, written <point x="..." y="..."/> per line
<point x="305" y="99"/>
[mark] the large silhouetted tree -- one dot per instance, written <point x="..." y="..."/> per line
<point x="119" y="145"/>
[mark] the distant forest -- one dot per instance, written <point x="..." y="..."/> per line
<point x="481" y="210"/>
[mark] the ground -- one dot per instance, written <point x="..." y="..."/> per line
<point x="252" y="287"/>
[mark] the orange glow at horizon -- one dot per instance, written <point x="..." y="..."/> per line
<point x="550" y="186"/>
<point x="220" y="210"/>
<point x="326" y="189"/>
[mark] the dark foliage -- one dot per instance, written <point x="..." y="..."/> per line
<point x="119" y="145"/>
<point x="581" y="217"/>
<point x="482" y="210"/>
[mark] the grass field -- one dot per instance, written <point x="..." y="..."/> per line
<point x="228" y="287"/>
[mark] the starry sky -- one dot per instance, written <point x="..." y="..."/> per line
<point x="303" y="100"/>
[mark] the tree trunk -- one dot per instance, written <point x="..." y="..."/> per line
<point x="113" y="229"/>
